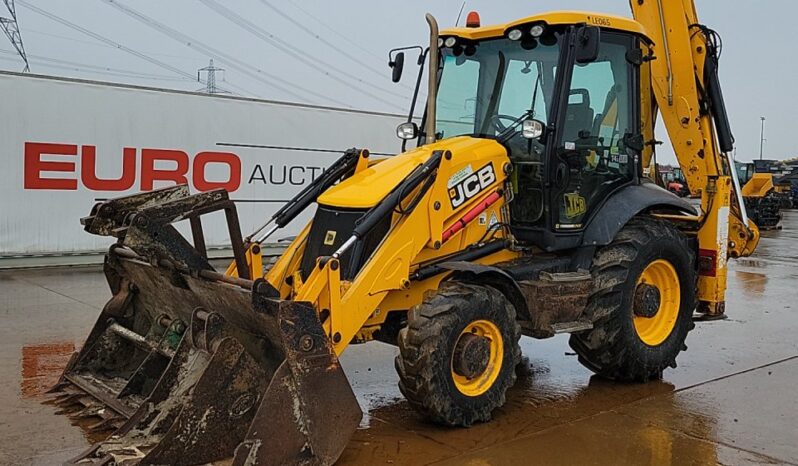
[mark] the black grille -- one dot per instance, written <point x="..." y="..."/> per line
<point x="330" y="229"/>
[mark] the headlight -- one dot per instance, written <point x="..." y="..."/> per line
<point x="450" y="41"/>
<point x="514" y="34"/>
<point x="537" y="30"/>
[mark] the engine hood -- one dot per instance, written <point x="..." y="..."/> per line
<point x="368" y="187"/>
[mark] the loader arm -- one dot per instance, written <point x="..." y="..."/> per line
<point x="687" y="93"/>
<point x="423" y="232"/>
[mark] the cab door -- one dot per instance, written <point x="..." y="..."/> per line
<point x="592" y="157"/>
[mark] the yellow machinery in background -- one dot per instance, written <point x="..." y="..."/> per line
<point x="762" y="197"/>
<point x="523" y="210"/>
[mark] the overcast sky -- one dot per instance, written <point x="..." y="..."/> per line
<point x="335" y="52"/>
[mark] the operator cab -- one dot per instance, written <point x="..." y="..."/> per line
<point x="563" y="96"/>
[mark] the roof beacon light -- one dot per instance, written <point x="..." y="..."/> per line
<point x="472" y="20"/>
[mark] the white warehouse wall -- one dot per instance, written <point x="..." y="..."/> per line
<point x="132" y="134"/>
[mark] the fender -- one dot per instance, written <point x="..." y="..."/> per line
<point x="627" y="203"/>
<point x="469" y="272"/>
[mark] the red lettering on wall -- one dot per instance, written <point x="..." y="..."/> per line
<point x="88" y="170"/>
<point x="34" y="166"/>
<point x="169" y="166"/>
<point x="204" y="158"/>
<point x="150" y="174"/>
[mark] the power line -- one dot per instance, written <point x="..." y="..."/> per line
<point x="298" y="54"/>
<point x="103" y="39"/>
<point x="379" y="72"/>
<point x="251" y="71"/>
<point x="86" y="68"/>
<point x="114" y="44"/>
<point x="421" y="96"/>
<point x="334" y="31"/>
<point x="11" y="27"/>
<point x="106" y="46"/>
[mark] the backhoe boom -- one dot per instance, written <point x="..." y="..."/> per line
<point x="686" y="90"/>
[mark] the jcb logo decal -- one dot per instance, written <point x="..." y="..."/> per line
<point x="329" y="238"/>
<point x="575" y="205"/>
<point x="471" y="185"/>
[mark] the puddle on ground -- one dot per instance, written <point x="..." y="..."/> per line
<point x="42" y="364"/>
<point x="752" y="282"/>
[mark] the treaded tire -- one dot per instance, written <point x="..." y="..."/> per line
<point x="426" y="345"/>
<point x="613" y="349"/>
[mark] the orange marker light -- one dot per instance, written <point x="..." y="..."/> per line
<point x="472" y="20"/>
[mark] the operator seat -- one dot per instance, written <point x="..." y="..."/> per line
<point x="578" y="115"/>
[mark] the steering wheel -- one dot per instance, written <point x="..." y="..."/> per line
<point x="519" y="147"/>
<point x="496" y="121"/>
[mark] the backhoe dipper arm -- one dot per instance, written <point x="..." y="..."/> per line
<point x="687" y="92"/>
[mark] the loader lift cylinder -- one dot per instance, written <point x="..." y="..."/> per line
<point x="424" y="173"/>
<point x="341" y="168"/>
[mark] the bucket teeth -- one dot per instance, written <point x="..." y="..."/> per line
<point x="69" y="400"/>
<point x="57" y="388"/>
<point x="110" y="423"/>
<point x="94" y="410"/>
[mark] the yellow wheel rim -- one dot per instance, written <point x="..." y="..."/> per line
<point x="480" y="383"/>
<point x="656" y="329"/>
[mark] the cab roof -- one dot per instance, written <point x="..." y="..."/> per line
<point x="605" y="21"/>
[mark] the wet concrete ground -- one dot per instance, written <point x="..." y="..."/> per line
<point x="731" y="401"/>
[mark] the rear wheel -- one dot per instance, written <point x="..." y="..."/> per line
<point x="458" y="353"/>
<point x="643" y="303"/>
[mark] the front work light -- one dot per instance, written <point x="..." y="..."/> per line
<point x="514" y="34"/>
<point x="537" y="30"/>
<point x="407" y="130"/>
<point x="532" y="129"/>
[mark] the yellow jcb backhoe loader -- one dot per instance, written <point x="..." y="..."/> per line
<point x="522" y="211"/>
<point x="762" y="197"/>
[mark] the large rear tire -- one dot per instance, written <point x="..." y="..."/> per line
<point x="458" y="353"/>
<point x="642" y="304"/>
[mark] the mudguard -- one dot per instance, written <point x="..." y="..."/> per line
<point x="627" y="203"/>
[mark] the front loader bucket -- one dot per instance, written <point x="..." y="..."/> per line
<point x="189" y="367"/>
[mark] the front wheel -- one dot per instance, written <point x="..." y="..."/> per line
<point x="458" y="353"/>
<point x="642" y="305"/>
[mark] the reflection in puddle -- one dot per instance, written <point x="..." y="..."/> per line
<point x="752" y="282"/>
<point x="42" y="364"/>
<point x="749" y="262"/>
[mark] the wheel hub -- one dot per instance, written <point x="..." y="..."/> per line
<point x="646" y="301"/>
<point x="471" y="355"/>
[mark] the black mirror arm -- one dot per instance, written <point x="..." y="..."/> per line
<point x="422" y="57"/>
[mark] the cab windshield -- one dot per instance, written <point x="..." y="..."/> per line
<point x="487" y="88"/>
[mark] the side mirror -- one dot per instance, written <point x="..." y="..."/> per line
<point x="397" y="65"/>
<point x="407" y="130"/>
<point x="532" y="129"/>
<point x="587" y="44"/>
